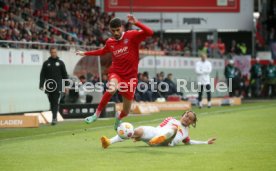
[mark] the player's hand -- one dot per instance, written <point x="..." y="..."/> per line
<point x="211" y="140"/>
<point x="81" y="53"/>
<point x="132" y="19"/>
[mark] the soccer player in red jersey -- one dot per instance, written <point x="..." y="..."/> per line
<point x="124" y="47"/>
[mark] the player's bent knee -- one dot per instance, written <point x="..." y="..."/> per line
<point x="138" y="132"/>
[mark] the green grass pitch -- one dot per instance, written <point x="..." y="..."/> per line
<point x="246" y="140"/>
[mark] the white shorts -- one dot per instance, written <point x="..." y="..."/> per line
<point x="149" y="132"/>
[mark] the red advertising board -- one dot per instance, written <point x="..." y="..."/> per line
<point x="172" y="5"/>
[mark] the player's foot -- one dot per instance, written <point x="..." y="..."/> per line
<point x="54" y="122"/>
<point x="90" y="119"/>
<point x="157" y="140"/>
<point x="117" y="123"/>
<point x="105" y="142"/>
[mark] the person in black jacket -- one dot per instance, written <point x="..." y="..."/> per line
<point x="51" y="75"/>
<point x="172" y="86"/>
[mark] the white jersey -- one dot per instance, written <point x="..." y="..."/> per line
<point x="149" y="132"/>
<point x="182" y="134"/>
<point x="203" y="70"/>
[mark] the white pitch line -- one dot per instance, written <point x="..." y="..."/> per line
<point x="243" y="109"/>
<point x="139" y="122"/>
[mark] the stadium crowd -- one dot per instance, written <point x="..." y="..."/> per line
<point x="265" y="32"/>
<point x="59" y="22"/>
<point x="72" y="23"/>
<point x="15" y="28"/>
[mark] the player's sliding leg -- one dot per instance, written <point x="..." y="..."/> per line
<point x="123" y="113"/>
<point x="105" y="99"/>
<point x="106" y="142"/>
<point x="165" y="134"/>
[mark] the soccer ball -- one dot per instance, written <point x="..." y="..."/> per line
<point x="125" y="130"/>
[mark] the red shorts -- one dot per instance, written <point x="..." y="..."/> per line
<point x="126" y="87"/>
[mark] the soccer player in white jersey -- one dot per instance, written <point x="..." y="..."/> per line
<point x="169" y="133"/>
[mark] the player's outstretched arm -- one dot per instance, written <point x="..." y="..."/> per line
<point x="211" y="140"/>
<point x="195" y="142"/>
<point x="148" y="31"/>
<point x="80" y="53"/>
<point x="101" y="51"/>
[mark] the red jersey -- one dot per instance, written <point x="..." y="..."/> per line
<point x="125" y="51"/>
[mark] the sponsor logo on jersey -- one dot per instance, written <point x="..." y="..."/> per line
<point x="57" y="64"/>
<point x="121" y="51"/>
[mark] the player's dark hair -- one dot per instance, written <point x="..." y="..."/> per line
<point x="115" y="23"/>
<point x="195" y="119"/>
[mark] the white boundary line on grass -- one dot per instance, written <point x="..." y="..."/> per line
<point x="139" y="122"/>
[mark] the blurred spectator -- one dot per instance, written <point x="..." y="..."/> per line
<point x="221" y="47"/>
<point x="260" y="33"/>
<point x="234" y="73"/>
<point x="145" y="92"/>
<point x="238" y="82"/>
<point x="229" y="73"/>
<point x="242" y="48"/>
<point x="259" y="46"/>
<point x="159" y="87"/>
<point x="272" y="36"/>
<point x="84" y="93"/>
<point x="3" y="35"/>
<point x="256" y="78"/>
<point x="137" y="95"/>
<point x="234" y="49"/>
<point x="105" y="81"/>
<point x="94" y="79"/>
<point x="3" y="6"/>
<point x="270" y="79"/>
<point x="172" y="85"/>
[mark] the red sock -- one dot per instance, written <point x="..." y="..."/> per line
<point x="106" y="97"/>
<point x="122" y="115"/>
